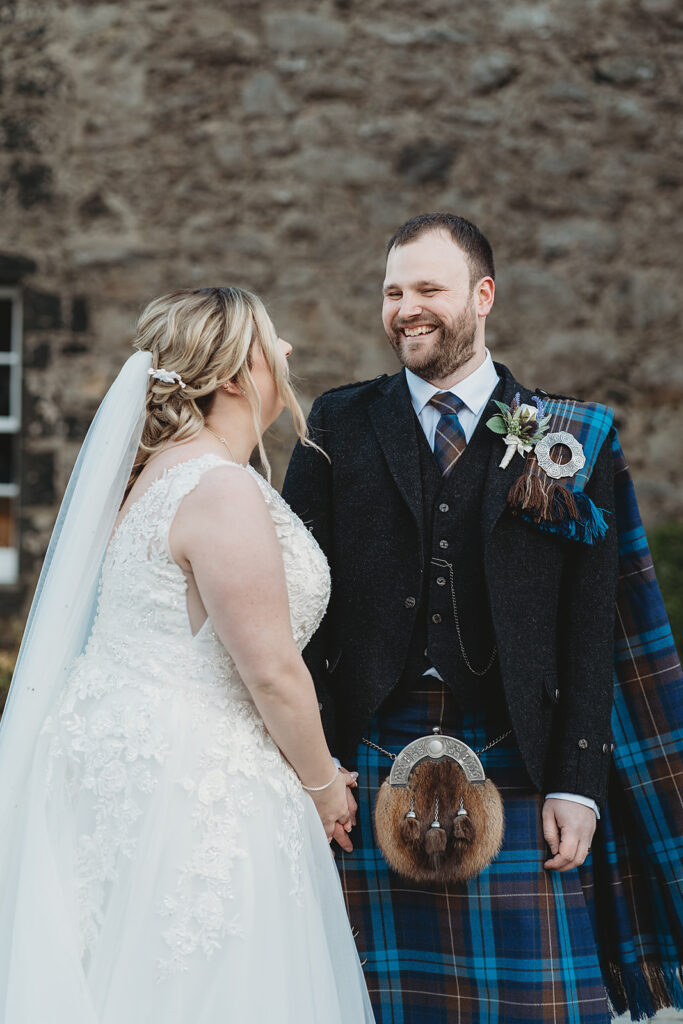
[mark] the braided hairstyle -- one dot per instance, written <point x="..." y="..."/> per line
<point x="206" y="336"/>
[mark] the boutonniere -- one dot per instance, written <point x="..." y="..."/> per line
<point x="523" y="426"/>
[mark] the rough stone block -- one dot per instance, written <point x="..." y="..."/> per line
<point x="299" y="31"/>
<point x="492" y="71"/>
<point x="425" y="161"/>
<point x="621" y="69"/>
<point x="264" y="94"/>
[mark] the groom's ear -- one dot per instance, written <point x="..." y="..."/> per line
<point x="484" y="293"/>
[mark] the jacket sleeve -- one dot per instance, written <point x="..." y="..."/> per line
<point x="308" y="491"/>
<point x="580" y="753"/>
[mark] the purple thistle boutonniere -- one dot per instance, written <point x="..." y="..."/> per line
<point x="521" y="426"/>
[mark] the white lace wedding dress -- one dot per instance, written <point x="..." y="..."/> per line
<point x="194" y="881"/>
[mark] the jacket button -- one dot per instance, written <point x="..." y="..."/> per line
<point x="436" y="618"/>
<point x="409" y="602"/>
<point x="611" y="747"/>
<point x="605" y="748"/>
<point x="443" y="544"/>
<point x="557" y="694"/>
<point x="583" y="744"/>
<point x="320" y="707"/>
<point x="443" y="507"/>
<point x="441" y="581"/>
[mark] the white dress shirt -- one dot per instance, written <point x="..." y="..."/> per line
<point x="474" y="391"/>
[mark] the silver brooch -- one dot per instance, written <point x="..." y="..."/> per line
<point x="556" y="469"/>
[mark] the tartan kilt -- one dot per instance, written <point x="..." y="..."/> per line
<point x="514" y="945"/>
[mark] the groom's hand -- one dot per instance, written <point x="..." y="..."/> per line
<point x="568" y="828"/>
<point x="341" y="832"/>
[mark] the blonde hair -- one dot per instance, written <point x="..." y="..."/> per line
<point x="206" y="336"/>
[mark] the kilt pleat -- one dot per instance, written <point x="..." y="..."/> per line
<point x="515" y="945"/>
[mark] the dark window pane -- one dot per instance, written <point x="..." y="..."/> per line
<point x="5" y="372"/>
<point x="7" y="522"/>
<point x="5" y="325"/>
<point x="7" y="458"/>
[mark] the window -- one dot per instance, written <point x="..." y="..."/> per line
<point x="10" y="424"/>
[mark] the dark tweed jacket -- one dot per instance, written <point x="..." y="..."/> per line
<point x="551" y="601"/>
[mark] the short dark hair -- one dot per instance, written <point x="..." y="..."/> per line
<point x="466" y="236"/>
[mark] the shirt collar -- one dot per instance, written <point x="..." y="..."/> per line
<point x="474" y="390"/>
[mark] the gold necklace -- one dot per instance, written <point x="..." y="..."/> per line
<point x="222" y="441"/>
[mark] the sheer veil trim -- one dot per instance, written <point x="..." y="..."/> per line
<point x="64" y="603"/>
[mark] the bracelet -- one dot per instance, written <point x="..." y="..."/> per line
<point x="319" y="789"/>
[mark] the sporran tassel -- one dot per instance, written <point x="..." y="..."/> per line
<point x="410" y="826"/>
<point x="436" y="840"/>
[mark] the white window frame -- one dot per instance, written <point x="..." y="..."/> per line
<point x="9" y="556"/>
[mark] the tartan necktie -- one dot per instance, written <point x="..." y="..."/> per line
<point x="449" y="440"/>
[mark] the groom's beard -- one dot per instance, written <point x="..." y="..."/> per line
<point x="451" y="346"/>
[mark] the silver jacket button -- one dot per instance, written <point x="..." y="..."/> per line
<point x="583" y="744"/>
<point x="409" y="602"/>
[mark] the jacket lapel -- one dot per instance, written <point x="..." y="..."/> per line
<point x="393" y="419"/>
<point x="499" y="481"/>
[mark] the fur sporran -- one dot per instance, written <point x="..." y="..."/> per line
<point x="440" y="826"/>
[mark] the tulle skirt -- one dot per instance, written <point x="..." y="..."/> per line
<point x="159" y="883"/>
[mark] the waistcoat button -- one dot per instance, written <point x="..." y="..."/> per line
<point x="443" y="507"/>
<point x="409" y="602"/>
<point x="436" y="618"/>
<point x="443" y="544"/>
<point x="441" y="581"/>
<point x="583" y="744"/>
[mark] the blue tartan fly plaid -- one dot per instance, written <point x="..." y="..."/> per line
<point x="640" y="887"/>
<point x="639" y="845"/>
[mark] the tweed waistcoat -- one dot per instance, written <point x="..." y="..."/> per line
<point x="454" y="576"/>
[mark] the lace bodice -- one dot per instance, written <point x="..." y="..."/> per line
<point x="142" y="601"/>
<point x="148" y="705"/>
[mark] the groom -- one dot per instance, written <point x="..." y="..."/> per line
<point x="483" y="596"/>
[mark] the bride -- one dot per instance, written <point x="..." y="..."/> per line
<point x="167" y="793"/>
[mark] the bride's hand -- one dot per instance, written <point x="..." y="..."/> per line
<point x="332" y="806"/>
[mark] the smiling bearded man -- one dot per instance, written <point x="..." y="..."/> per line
<point x="436" y="342"/>
<point x="472" y="527"/>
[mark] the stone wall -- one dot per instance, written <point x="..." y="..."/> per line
<point x="148" y="145"/>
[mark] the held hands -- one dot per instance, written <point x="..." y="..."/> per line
<point x="337" y="808"/>
<point x="568" y="828"/>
